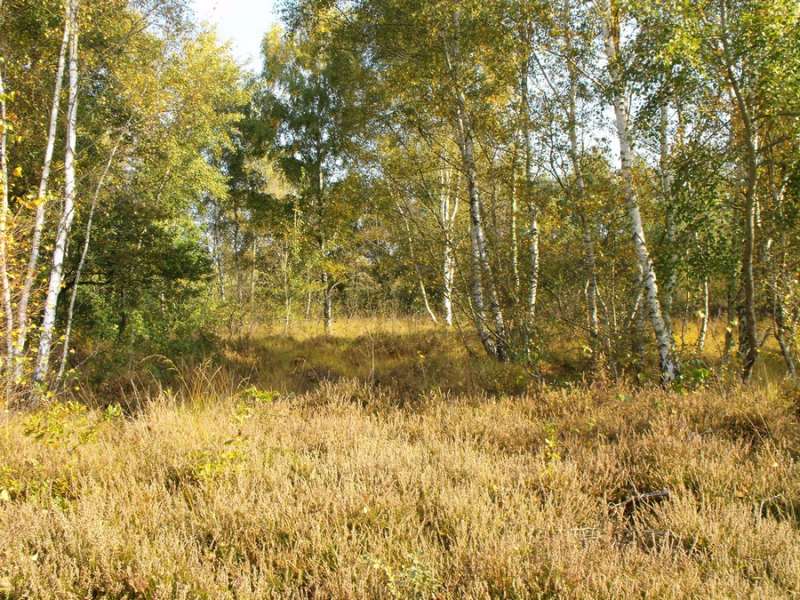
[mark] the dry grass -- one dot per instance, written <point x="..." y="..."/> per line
<point x="349" y="489"/>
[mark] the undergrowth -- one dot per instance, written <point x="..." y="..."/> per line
<point x="251" y="481"/>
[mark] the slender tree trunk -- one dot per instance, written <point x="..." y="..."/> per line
<point x="65" y="223"/>
<point x="481" y="264"/>
<point x="219" y="259"/>
<point x="253" y="277"/>
<point x="533" y="233"/>
<point x="327" y="304"/>
<point x="237" y="257"/>
<point x="637" y="321"/>
<point x="784" y="332"/>
<point x="514" y="241"/>
<point x="287" y="292"/>
<point x="8" y="309"/>
<point x="533" y="210"/>
<point x="701" y="338"/>
<point x="580" y="190"/>
<point x="448" y="218"/>
<point x="423" y="291"/>
<point x="731" y="317"/>
<point x="668" y="364"/>
<point x="669" y="236"/>
<point x="38" y="224"/>
<point x="493" y="342"/>
<point x="84" y="252"/>
<point x="480" y="260"/>
<point x="449" y="279"/>
<point x="748" y="342"/>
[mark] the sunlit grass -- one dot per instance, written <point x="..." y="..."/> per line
<point x="393" y="463"/>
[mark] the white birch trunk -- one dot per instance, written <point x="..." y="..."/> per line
<point x="701" y="338"/>
<point x="8" y="309"/>
<point x="79" y="271"/>
<point x="534" y="250"/>
<point x="533" y="231"/>
<point x="68" y="214"/>
<point x="287" y="292"/>
<point x="448" y="218"/>
<point x="421" y="281"/>
<point x="667" y="363"/>
<point x="493" y="342"/>
<point x="748" y="340"/>
<point x="327" y="304"/>
<point x="514" y="242"/>
<point x="480" y="258"/>
<point x="666" y="188"/>
<point x="580" y="189"/>
<point x="38" y="224"/>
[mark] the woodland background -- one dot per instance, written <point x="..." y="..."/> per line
<point x="491" y="298"/>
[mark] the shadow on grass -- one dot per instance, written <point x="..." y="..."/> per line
<point x="408" y="364"/>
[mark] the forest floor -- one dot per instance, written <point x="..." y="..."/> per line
<point x="390" y="462"/>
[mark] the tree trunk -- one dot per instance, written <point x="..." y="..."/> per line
<point x="8" y="309"/>
<point x="513" y="226"/>
<point x="731" y="317"/>
<point x="495" y="346"/>
<point x="219" y="259"/>
<point x="84" y="252"/>
<point x="417" y="270"/>
<point x="448" y="218"/>
<point x="590" y="261"/>
<point x="493" y="342"/>
<point x="748" y="341"/>
<point x="534" y="250"/>
<point x="287" y="292"/>
<point x="327" y="304"/>
<point x="669" y="234"/>
<point x="38" y="224"/>
<point x="533" y="225"/>
<point x="65" y="223"/>
<point x="253" y="280"/>
<point x="784" y="332"/>
<point x="667" y="363"/>
<point x="701" y="338"/>
<point x="637" y="322"/>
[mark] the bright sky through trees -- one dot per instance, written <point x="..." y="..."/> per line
<point x="241" y="22"/>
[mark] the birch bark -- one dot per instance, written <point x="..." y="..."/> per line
<point x="667" y="362"/>
<point x="480" y="259"/>
<point x="39" y="219"/>
<point x="701" y="338"/>
<point x="666" y="187"/>
<point x="79" y="271"/>
<point x="748" y="341"/>
<point x="68" y="214"/>
<point x="448" y="218"/>
<point x="8" y="309"/>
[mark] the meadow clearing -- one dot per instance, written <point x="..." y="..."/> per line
<point x="271" y="473"/>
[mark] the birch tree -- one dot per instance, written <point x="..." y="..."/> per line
<point x="447" y="216"/>
<point x="41" y="201"/>
<point x="8" y="309"/>
<point x="68" y="212"/>
<point x="611" y="24"/>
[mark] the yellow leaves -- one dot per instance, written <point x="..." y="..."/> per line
<point x="17" y="172"/>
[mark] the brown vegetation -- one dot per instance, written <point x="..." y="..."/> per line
<point x="226" y="488"/>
